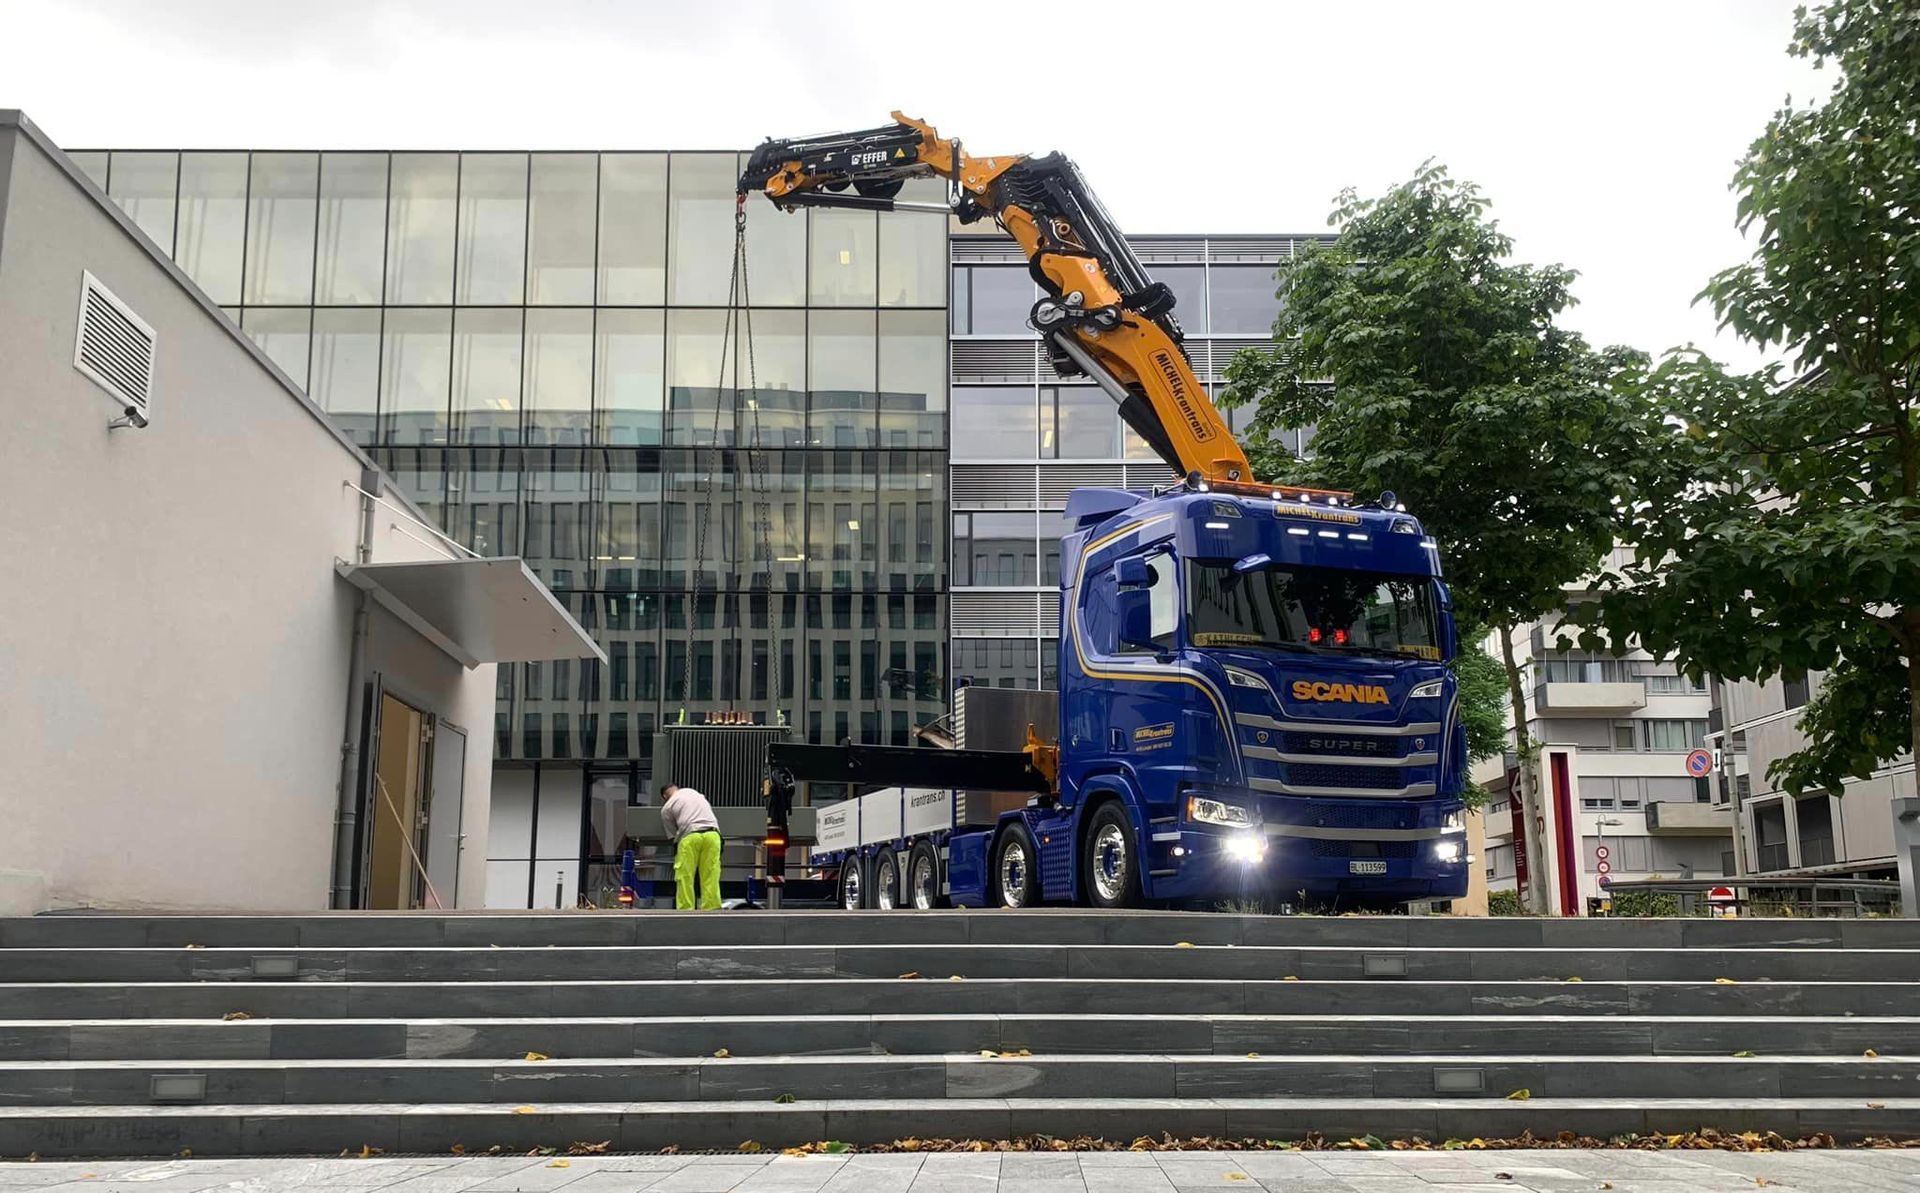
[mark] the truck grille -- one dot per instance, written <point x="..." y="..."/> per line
<point x="1348" y="744"/>
<point x="1355" y="815"/>
<point x="1386" y="849"/>
<point x="1358" y="778"/>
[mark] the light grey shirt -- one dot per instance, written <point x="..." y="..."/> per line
<point x="687" y="811"/>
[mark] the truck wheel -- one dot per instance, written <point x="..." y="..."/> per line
<point x="1112" y="859"/>
<point x="853" y="887"/>
<point x="886" y="880"/>
<point x="923" y="878"/>
<point x="1016" y="880"/>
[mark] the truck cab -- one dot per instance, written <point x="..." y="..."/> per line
<point x="1262" y="685"/>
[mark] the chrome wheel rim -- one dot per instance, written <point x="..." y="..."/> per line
<point x="923" y="883"/>
<point x="1013" y="873"/>
<point x="1109" y="862"/>
<point x="850" y="888"/>
<point x="884" y="875"/>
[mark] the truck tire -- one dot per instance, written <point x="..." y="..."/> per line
<point x="1015" y="880"/>
<point x="852" y="895"/>
<point x="1110" y="858"/>
<point x="886" y="880"/>
<point x="922" y="891"/>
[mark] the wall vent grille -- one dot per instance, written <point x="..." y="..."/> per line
<point x="1000" y="486"/>
<point x="990" y="614"/>
<point x="114" y="347"/>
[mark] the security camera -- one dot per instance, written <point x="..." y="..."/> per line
<point x="130" y="417"/>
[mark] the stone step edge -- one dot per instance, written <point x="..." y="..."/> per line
<point x="1281" y="1059"/>
<point x="856" y="979"/>
<point x="1395" y="1019"/>
<point x="709" y="950"/>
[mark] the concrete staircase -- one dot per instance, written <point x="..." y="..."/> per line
<point x="147" y="1035"/>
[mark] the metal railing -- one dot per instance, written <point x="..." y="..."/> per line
<point x="1801" y="897"/>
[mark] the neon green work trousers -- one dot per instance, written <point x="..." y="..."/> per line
<point x="698" y="852"/>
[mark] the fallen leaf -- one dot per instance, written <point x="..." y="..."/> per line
<point x="579" y="1148"/>
<point x="1233" y="1176"/>
<point x="785" y="1100"/>
<point x="525" y="1110"/>
<point x="1289" y="978"/>
<point x="458" y="1149"/>
<point x="988" y="1052"/>
<point x="193" y="946"/>
<point x="1725" y="982"/>
<point x="834" y="1147"/>
<point x="1503" y="1176"/>
<point x="1876" y="1105"/>
<point x="1870" y="1054"/>
<point x="1761" y="1180"/>
<point x="560" y="1164"/>
<point x="751" y="1146"/>
<point x="1253" y="1056"/>
<point x="1606" y="1184"/>
<point x="1185" y="944"/>
<point x="957" y="978"/>
<point x="1744" y="1053"/>
<point x="235" y="1016"/>
<point x="721" y="1053"/>
<point x="1519" y="1095"/>
<point x="538" y="1056"/>
<point x="909" y="975"/>
<point x="368" y="1151"/>
<point x="1576" y="979"/>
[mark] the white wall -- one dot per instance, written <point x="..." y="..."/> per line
<point x="173" y="639"/>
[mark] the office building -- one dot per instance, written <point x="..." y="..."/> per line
<point x="532" y="344"/>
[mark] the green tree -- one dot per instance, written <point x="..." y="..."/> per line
<point x="1431" y="365"/>
<point x="1483" y="699"/>
<point x="1779" y="529"/>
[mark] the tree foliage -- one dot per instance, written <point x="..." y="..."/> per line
<point x="1778" y="526"/>
<point x="1483" y="700"/>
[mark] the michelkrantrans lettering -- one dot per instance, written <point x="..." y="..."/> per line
<point x="1347" y="693"/>
<point x="1201" y="432"/>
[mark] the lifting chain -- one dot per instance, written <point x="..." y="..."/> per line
<point x="738" y="322"/>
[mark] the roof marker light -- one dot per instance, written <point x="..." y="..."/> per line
<point x="1302" y="531"/>
<point x="1217" y="526"/>
<point x="1358" y="538"/>
<point x="1329" y="534"/>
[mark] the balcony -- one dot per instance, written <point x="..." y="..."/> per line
<point x="1686" y="818"/>
<point x="1590" y="697"/>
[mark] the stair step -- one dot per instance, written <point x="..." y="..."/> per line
<point x="644" y="1126"/>
<point x="1044" y="926"/>
<point x="775" y="1035"/>
<point x="937" y="1076"/>
<point x="1166" y="961"/>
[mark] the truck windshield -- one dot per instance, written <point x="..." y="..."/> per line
<point x="1336" y="610"/>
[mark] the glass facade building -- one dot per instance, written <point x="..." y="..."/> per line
<point x="534" y="345"/>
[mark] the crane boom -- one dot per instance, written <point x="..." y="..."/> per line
<point x="1100" y="314"/>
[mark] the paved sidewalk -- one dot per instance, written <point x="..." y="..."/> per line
<point x="1085" y="1172"/>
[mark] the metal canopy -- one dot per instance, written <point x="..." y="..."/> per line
<point x="477" y="610"/>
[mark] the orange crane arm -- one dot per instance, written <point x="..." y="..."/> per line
<point x="1100" y="315"/>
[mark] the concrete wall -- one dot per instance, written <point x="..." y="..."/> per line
<point x="174" y="642"/>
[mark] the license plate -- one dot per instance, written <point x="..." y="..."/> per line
<point x="1366" y="867"/>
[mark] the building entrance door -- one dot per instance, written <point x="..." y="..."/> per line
<point x="396" y="807"/>
<point x="445" y="797"/>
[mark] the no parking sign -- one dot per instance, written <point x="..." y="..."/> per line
<point x="1699" y="763"/>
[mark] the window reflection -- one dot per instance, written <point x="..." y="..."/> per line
<point x="629" y="375"/>
<point x="420" y="214"/>
<point x="493" y="228"/>
<point x="557" y="387"/>
<point x="1243" y="299"/>
<point x="995" y="422"/>
<point x="352" y="229"/>
<point x="486" y="376"/>
<point x="415" y="355"/>
<point x="633" y="229"/>
<point x="994" y="548"/>
<point x="280" y="225"/>
<point x="841" y="375"/>
<point x="147" y="186"/>
<point x="912" y="379"/>
<point x="700" y="196"/>
<point x="841" y="258"/>
<point x="284" y="336"/>
<point x="560" y="228"/>
<point x="212" y="222"/>
<point x="346" y="368"/>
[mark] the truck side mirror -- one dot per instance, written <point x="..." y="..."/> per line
<point x="1132" y="572"/>
<point x="1135" y="613"/>
<point x="1449" y="634"/>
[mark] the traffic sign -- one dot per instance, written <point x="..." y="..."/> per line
<point x="1602" y="853"/>
<point x="1606" y="880"/>
<point x="1699" y="763"/>
<point x="1605" y="867"/>
<point x="1720" y="894"/>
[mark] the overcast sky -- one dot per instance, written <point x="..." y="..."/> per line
<point x="1605" y="133"/>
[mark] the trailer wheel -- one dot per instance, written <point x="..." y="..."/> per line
<point x="1112" y="861"/>
<point x="853" y="887"/>
<point x="1015" y="878"/>
<point x="886" y="880"/>
<point x="923" y="878"/>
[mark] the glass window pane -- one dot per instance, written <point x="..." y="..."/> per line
<point x="700" y="226"/>
<point x="701" y="520"/>
<point x="841" y="544"/>
<point x="697" y="414"/>
<point x="993" y="422"/>
<point x="415" y="359"/>
<point x="147" y="186"/>
<point x="483" y="501"/>
<point x="1189" y="286"/>
<point x="776" y="254"/>
<point x="1242" y="299"/>
<point x="840" y="374"/>
<point x="629" y="375"/>
<point x="280" y="220"/>
<point x="773" y="483"/>
<point x="560" y="228"/>
<point x="627" y="531"/>
<point x="486" y="376"/>
<point x="913" y="378"/>
<point x="775" y="415"/>
<point x="999" y="299"/>
<point x="346" y="368"/>
<point x="995" y="549"/>
<point x="92" y="163"/>
<point x="558" y="385"/>
<point x="420" y="214"/>
<point x="1053" y="527"/>
<point x="633" y="229"/>
<point x="912" y="512"/>
<point x="842" y="258"/>
<point x="558" y="520"/>
<point x="1080" y="423"/>
<point x="493" y="228"/>
<point x="213" y="222"/>
<point x="353" y="229"/>
<point x="283" y="335"/>
<point x="996" y="662"/>
<point x="913" y="250"/>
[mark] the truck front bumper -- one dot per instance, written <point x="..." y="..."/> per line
<point x="1202" y="862"/>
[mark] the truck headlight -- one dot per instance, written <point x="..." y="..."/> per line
<point x="1456" y="822"/>
<point x="1213" y="811"/>
<point x="1447" y="851"/>
<point x="1247" y="679"/>
<point x="1429" y="690"/>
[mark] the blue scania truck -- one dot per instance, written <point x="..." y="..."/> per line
<point x="1254" y="697"/>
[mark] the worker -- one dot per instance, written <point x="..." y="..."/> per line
<point x="689" y="820"/>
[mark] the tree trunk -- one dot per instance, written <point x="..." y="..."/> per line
<point x="1533" y="897"/>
